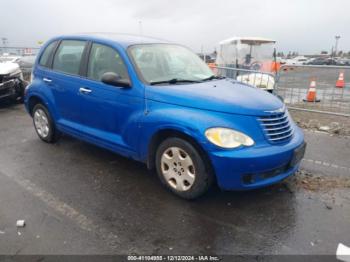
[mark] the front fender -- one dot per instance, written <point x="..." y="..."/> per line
<point x="160" y="120"/>
<point x="191" y="122"/>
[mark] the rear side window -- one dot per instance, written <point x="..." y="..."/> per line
<point x="105" y="59"/>
<point x="68" y="56"/>
<point x="44" y="59"/>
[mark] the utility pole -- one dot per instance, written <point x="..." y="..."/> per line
<point x="202" y="51"/>
<point x="332" y="52"/>
<point x="4" y="43"/>
<point x="337" y="37"/>
<point x="140" y="28"/>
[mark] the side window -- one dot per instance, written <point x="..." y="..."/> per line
<point x="105" y="59"/>
<point x="68" y="56"/>
<point x="44" y="59"/>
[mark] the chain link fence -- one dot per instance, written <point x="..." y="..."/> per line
<point x="292" y="84"/>
<point x="19" y="51"/>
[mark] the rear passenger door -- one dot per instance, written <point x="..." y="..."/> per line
<point x="65" y="81"/>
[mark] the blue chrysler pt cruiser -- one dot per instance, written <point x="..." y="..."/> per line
<point x="159" y="103"/>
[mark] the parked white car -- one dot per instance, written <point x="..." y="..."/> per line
<point x="299" y="60"/>
<point x="12" y="84"/>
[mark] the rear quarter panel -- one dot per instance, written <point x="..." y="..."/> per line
<point x="36" y="89"/>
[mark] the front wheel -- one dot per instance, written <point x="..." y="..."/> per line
<point x="182" y="169"/>
<point x="44" y="126"/>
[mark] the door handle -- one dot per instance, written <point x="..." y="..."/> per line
<point x="47" y="80"/>
<point x="84" y="90"/>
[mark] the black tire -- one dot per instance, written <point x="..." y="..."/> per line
<point x="203" y="176"/>
<point x="53" y="134"/>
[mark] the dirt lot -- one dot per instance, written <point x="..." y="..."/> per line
<point x="332" y="124"/>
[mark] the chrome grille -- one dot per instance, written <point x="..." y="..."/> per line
<point x="277" y="127"/>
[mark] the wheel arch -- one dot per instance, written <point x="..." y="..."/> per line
<point x="163" y="134"/>
<point x="32" y="101"/>
<point x="36" y="98"/>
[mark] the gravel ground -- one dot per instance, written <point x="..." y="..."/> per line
<point x="336" y="125"/>
<point x="305" y="180"/>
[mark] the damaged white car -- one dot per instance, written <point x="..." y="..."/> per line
<point x="12" y="84"/>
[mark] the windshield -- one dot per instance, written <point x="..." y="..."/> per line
<point x="159" y="63"/>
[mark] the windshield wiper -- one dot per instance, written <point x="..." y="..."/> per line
<point x="174" y="81"/>
<point x="212" y="78"/>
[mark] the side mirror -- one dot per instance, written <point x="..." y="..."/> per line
<point x="114" y="79"/>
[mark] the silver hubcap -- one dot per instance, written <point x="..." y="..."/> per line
<point x="178" y="169"/>
<point x="41" y="123"/>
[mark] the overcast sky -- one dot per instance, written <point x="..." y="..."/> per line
<point x="306" y="26"/>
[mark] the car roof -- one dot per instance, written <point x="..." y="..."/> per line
<point x="124" y="40"/>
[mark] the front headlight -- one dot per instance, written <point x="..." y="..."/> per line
<point x="228" y="138"/>
<point x="15" y="74"/>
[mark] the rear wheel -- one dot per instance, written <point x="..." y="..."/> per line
<point x="182" y="169"/>
<point x="44" y="126"/>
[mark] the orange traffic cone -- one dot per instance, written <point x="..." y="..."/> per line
<point x="311" y="93"/>
<point x="340" y="82"/>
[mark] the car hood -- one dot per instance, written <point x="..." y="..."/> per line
<point x="8" y="68"/>
<point x="225" y="95"/>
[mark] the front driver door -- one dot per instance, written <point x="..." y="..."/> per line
<point x="110" y="113"/>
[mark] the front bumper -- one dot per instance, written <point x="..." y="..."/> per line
<point x="10" y="88"/>
<point x="255" y="167"/>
